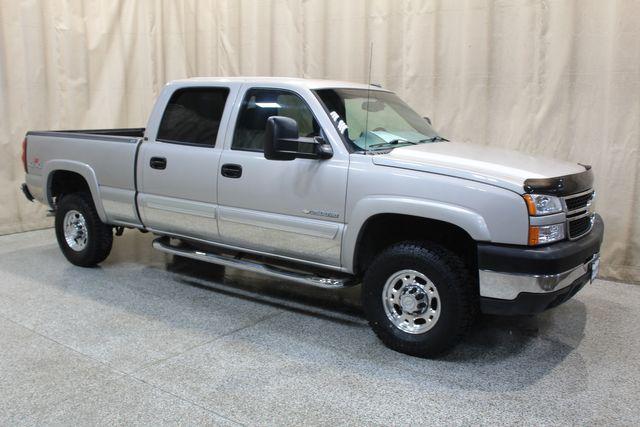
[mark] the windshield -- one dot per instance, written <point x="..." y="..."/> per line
<point x="389" y="122"/>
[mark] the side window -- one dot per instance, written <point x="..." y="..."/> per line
<point x="193" y="116"/>
<point x="259" y="105"/>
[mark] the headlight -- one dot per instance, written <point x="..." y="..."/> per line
<point x="541" y="234"/>
<point x="541" y="204"/>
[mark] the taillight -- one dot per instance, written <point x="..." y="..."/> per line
<point x="24" y="154"/>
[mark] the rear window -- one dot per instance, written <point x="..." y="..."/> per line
<point x="193" y="116"/>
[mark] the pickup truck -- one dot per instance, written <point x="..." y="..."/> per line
<point x="329" y="184"/>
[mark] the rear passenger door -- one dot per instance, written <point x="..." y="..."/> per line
<point x="177" y="166"/>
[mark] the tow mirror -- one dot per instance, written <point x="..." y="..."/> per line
<point x="283" y="142"/>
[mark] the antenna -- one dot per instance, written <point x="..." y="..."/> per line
<point x="366" y="120"/>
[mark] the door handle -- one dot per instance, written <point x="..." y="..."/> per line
<point x="231" y="170"/>
<point x="158" y="162"/>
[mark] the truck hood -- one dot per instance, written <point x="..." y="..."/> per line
<point x="496" y="166"/>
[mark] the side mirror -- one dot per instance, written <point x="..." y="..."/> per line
<point x="281" y="138"/>
<point x="282" y="141"/>
<point x="428" y="120"/>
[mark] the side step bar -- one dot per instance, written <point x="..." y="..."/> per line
<point x="162" y="244"/>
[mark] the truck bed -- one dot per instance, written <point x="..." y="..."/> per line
<point x="105" y="158"/>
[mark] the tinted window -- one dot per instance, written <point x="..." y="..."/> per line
<point x="193" y="116"/>
<point x="259" y="105"/>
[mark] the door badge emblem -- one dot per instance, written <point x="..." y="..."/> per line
<point x="326" y="214"/>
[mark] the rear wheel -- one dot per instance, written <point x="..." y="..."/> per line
<point x="419" y="298"/>
<point x="84" y="239"/>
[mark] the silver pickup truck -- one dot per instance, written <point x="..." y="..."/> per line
<point x="328" y="184"/>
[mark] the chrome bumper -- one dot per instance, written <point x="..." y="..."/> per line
<point x="507" y="286"/>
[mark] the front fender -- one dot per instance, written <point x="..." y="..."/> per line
<point x="468" y="220"/>
<point x="81" y="169"/>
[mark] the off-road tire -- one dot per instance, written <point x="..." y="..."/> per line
<point x="457" y="293"/>
<point x="99" y="234"/>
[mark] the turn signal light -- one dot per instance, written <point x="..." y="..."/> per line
<point x="531" y="206"/>
<point x="534" y="235"/>
<point x="541" y="234"/>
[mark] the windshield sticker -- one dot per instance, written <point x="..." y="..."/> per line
<point x="342" y="126"/>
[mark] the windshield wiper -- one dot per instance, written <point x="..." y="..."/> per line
<point x="434" y="139"/>
<point x="394" y="142"/>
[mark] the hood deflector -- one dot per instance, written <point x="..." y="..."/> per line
<point x="560" y="185"/>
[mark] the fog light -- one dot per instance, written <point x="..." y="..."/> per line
<point x="541" y="234"/>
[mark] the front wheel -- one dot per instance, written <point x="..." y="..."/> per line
<point x="419" y="298"/>
<point x="83" y="238"/>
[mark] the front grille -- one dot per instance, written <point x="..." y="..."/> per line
<point x="580" y="226"/>
<point x="575" y="203"/>
<point x="579" y="218"/>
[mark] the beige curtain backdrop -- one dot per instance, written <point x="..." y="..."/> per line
<point x="559" y="78"/>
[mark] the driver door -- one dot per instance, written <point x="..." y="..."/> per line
<point x="291" y="209"/>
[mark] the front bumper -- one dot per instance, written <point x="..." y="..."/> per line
<point x="523" y="280"/>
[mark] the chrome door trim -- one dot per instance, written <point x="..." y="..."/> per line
<point x="181" y="215"/>
<point x="205" y="210"/>
<point x="250" y="251"/>
<point x="307" y="226"/>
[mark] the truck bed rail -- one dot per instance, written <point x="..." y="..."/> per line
<point x="122" y="135"/>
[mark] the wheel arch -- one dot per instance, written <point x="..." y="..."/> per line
<point x="65" y="176"/>
<point x="371" y="229"/>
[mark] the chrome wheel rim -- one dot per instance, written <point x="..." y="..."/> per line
<point x="75" y="230"/>
<point x="411" y="301"/>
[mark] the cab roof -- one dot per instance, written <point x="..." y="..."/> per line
<point x="289" y="81"/>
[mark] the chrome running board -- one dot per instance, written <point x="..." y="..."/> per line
<point x="162" y="244"/>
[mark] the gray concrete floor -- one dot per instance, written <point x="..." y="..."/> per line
<point x="146" y="339"/>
